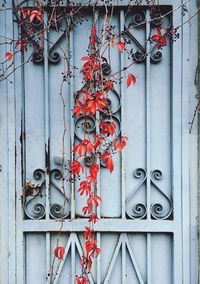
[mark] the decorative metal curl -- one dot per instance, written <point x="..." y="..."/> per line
<point x="54" y="57"/>
<point x="139" y="56"/>
<point x="157" y="174"/>
<point x="157" y="209"/>
<point x="38" y="57"/>
<point x="140" y="210"/>
<point x="56" y="174"/>
<point x="137" y="210"/>
<point x="57" y="210"/>
<point x="114" y="102"/>
<point x="106" y="69"/>
<point x="155" y="56"/>
<point x="86" y="123"/>
<point x="39" y="174"/>
<point x="117" y="123"/>
<point x="38" y="210"/>
<point x="156" y="18"/>
<point x="89" y="160"/>
<point x="138" y="18"/>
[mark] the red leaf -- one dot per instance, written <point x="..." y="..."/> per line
<point x="36" y="14"/>
<point x="91" y="248"/>
<point x="93" y="218"/>
<point x="82" y="280"/>
<point x="87" y="210"/>
<point x="131" y="79"/>
<point x="107" y="158"/>
<point x="94" y="170"/>
<point x="98" y="140"/>
<point x="76" y="167"/>
<point x="120" y="143"/>
<point x="25" y="12"/>
<point x="9" y="56"/>
<point x="88" y="75"/>
<point x="88" y="234"/>
<point x="85" y="146"/>
<point x="109" y="86"/>
<point x="93" y="200"/>
<point x="121" y="46"/>
<point x="107" y="127"/>
<point x="159" y="39"/>
<point x="84" y="188"/>
<point x="85" y="58"/>
<point x="93" y="31"/>
<point x="59" y="252"/>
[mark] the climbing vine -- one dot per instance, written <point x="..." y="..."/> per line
<point x="91" y="101"/>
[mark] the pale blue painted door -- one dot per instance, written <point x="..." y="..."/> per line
<point x="143" y="228"/>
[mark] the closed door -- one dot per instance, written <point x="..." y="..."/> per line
<point x="143" y="226"/>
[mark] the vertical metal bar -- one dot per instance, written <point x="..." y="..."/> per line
<point x="47" y="140"/>
<point x="71" y="59"/>
<point x="73" y="259"/>
<point x="124" y="259"/>
<point x="148" y="142"/>
<point x="123" y="132"/>
<point x="99" y="260"/>
<point x="46" y="115"/>
<point x="48" y="256"/>
<point x="148" y="116"/>
<point x="98" y="186"/>
<point x="185" y="186"/>
<point x="176" y="58"/>
<point x="149" y="278"/>
<point x="20" y="167"/>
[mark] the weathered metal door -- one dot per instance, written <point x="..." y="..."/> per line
<point x="144" y="225"/>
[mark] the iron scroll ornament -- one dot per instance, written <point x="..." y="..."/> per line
<point x="158" y="210"/>
<point x="35" y="207"/>
<point x="138" y="20"/>
<point x="85" y="125"/>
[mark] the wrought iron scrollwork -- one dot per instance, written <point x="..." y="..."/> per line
<point x="35" y="206"/>
<point x="158" y="210"/>
<point x="36" y="40"/>
<point x="89" y="160"/>
<point x="84" y="125"/>
<point x="138" y="209"/>
<point x="106" y="69"/>
<point x="58" y="210"/>
<point x="137" y="19"/>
